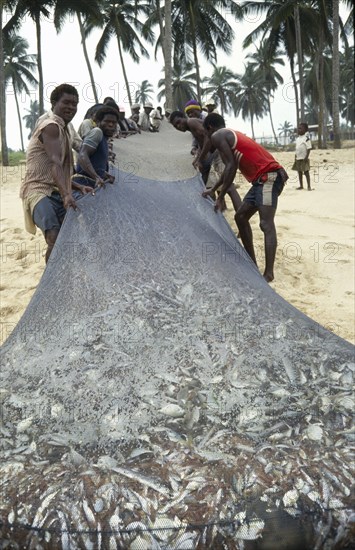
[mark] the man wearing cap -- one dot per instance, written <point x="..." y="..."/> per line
<point x="156" y="118"/>
<point x="193" y="109"/>
<point x="126" y="127"/>
<point x="144" y="118"/>
<point x="211" y="106"/>
<point x="135" y="112"/>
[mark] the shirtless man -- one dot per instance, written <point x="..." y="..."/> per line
<point x="204" y="157"/>
<point x="195" y="126"/>
<point x="46" y="191"/>
<point x="265" y="174"/>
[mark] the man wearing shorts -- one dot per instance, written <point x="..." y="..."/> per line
<point x="265" y="174"/>
<point x="204" y="158"/>
<point x="46" y="191"/>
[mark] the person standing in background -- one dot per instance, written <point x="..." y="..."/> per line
<point x="303" y="149"/>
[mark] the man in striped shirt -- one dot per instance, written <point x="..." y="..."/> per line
<point x="46" y="191"/>
<point x="265" y="174"/>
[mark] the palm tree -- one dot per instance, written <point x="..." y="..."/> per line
<point x="18" y="67"/>
<point x="120" y="20"/>
<point x="279" y="28"/>
<point x="35" y="9"/>
<point x="161" y="16"/>
<point x="5" y="5"/>
<point x="263" y="61"/>
<point x="311" y="83"/>
<point x="347" y="85"/>
<point x="201" y="25"/>
<point x="222" y="85"/>
<point x="143" y="94"/>
<point x="322" y="39"/>
<point x="310" y="111"/>
<point x="251" y="98"/>
<point x="32" y="116"/>
<point x="183" y="85"/>
<point x="168" y="48"/>
<point x="285" y="130"/>
<point x="84" y="10"/>
<point x="336" y="76"/>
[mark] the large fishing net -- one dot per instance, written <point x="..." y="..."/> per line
<point x="158" y="394"/>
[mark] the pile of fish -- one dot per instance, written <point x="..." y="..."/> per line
<point x="172" y="400"/>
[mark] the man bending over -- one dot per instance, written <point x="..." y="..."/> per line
<point x="265" y="174"/>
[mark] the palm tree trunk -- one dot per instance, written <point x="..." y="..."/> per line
<point x="221" y="103"/>
<point x="300" y="61"/>
<point x="39" y="64"/>
<point x="321" y="95"/>
<point x="194" y="48"/>
<point x="161" y="23"/>
<point x="19" y="117"/>
<point x="292" y="67"/>
<point x="252" y="126"/>
<point x="4" y="150"/>
<point x="167" y="57"/>
<point x="123" y="67"/>
<point x="83" y="42"/>
<point x="271" y="121"/>
<point x="336" y="76"/>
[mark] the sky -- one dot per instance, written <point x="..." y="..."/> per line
<point x="63" y="61"/>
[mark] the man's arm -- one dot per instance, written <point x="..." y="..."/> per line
<point x="203" y="152"/>
<point x="52" y="146"/>
<point x="308" y="147"/>
<point x="220" y="141"/>
<point x="86" y="152"/>
<point x="76" y="140"/>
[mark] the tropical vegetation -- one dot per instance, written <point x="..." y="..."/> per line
<point x="18" y="67"/>
<point x="309" y="36"/>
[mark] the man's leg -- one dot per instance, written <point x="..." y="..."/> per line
<point x="50" y="236"/>
<point x="235" y="197"/>
<point x="48" y="215"/>
<point x="267" y="226"/>
<point x="300" y="179"/>
<point x="308" y="180"/>
<point x="242" y="217"/>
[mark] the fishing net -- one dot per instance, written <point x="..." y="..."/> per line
<point x="158" y="394"/>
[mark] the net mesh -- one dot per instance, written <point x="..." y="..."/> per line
<point x="157" y="393"/>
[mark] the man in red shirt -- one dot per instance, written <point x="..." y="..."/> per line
<point x="265" y="174"/>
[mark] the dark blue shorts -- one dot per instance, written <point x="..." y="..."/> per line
<point x="265" y="193"/>
<point x="49" y="212"/>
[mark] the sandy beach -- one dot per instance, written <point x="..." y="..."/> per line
<point x="314" y="268"/>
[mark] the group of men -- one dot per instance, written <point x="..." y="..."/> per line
<point x="227" y="151"/>
<point x="50" y="187"/>
<point x="52" y="182"/>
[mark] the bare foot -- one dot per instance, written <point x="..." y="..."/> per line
<point x="268" y="278"/>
